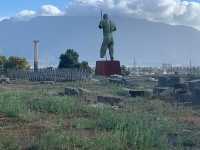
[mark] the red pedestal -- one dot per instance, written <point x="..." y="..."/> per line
<point x="107" y="68"/>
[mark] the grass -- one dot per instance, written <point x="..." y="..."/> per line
<point x="8" y="143"/>
<point x="137" y="131"/>
<point x="22" y="104"/>
<point x="63" y="122"/>
<point x="57" y="140"/>
<point x="56" y="105"/>
<point x="13" y="103"/>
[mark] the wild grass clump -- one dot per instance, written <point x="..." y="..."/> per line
<point x="108" y="141"/>
<point x="135" y="131"/>
<point x="56" y="105"/>
<point x="8" y="143"/>
<point x="84" y="123"/>
<point x="20" y="104"/>
<point x="60" y="140"/>
<point x="12" y="103"/>
<point x="142" y="132"/>
<point x="107" y="120"/>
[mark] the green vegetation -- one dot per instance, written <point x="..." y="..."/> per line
<point x="8" y="143"/>
<point x="3" y="60"/>
<point x="13" y="62"/>
<point x="125" y="70"/>
<point x="70" y="59"/>
<point x="46" y="121"/>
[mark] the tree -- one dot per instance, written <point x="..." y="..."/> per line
<point x="85" y="65"/>
<point x="16" y="63"/>
<point x="125" y="71"/>
<point x="69" y="59"/>
<point x="3" y="60"/>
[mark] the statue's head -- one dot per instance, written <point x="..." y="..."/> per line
<point x="105" y="16"/>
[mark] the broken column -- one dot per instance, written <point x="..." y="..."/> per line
<point x="36" y="55"/>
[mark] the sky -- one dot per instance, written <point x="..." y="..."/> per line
<point x="11" y="7"/>
<point x="173" y="12"/>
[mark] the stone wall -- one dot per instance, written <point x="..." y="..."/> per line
<point x="49" y="75"/>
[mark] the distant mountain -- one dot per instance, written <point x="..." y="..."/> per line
<point x="148" y="42"/>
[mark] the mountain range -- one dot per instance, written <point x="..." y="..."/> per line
<point x="149" y="43"/>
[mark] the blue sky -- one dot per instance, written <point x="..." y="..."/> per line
<point x="11" y="7"/>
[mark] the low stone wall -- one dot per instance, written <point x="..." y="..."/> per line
<point x="49" y="75"/>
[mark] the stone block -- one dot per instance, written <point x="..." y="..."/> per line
<point x="109" y="100"/>
<point x="107" y="68"/>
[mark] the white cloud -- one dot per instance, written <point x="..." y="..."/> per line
<point x="50" y="10"/>
<point x="175" y="12"/>
<point x="168" y="11"/>
<point x="4" y="18"/>
<point x="24" y="14"/>
<point x="45" y="10"/>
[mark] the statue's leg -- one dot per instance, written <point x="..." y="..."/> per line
<point x="111" y="50"/>
<point x="103" y="49"/>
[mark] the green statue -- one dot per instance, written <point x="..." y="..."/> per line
<point x="108" y="43"/>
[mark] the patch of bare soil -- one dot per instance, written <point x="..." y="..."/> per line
<point x="15" y="128"/>
<point x="23" y="132"/>
<point x="15" y="86"/>
<point x="6" y="121"/>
